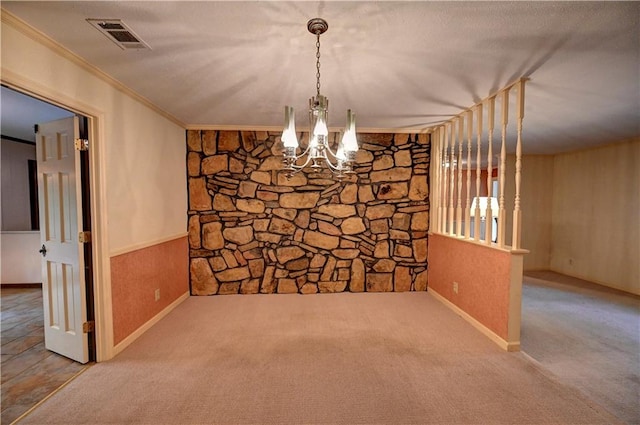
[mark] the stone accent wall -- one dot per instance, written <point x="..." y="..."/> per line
<point x="252" y="230"/>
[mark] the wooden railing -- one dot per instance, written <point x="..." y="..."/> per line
<point x="471" y="214"/>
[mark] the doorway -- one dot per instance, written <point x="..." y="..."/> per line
<point x="23" y="354"/>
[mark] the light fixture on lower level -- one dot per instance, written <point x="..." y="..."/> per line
<point x="318" y="152"/>
<point x="482" y="203"/>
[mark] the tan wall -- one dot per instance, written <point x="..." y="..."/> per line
<point x="596" y="215"/>
<point x="16" y="207"/>
<point x="20" y="259"/>
<point x="536" y="201"/>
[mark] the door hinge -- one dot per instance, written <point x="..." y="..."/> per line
<point x="81" y="144"/>
<point x="88" y="327"/>
<point x="84" y="237"/>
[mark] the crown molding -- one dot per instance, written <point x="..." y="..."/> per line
<point x="41" y="38"/>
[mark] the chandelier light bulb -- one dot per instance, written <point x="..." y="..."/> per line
<point x="321" y="128"/>
<point x="313" y="143"/>
<point x="289" y="138"/>
<point x="340" y="153"/>
<point x="349" y="141"/>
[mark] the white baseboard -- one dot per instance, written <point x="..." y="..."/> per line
<point x="142" y="329"/>
<point x="505" y="345"/>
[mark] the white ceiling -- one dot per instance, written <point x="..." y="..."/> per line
<point x="398" y="65"/>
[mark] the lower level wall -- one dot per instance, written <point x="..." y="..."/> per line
<point x="485" y="284"/>
<point x="135" y="277"/>
<point x="595" y="227"/>
<point x="20" y="258"/>
<point x="536" y="196"/>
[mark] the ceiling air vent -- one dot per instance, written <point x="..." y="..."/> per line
<point x="118" y="32"/>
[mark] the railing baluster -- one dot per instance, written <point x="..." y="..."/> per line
<point x="476" y="224"/>
<point x="517" y="213"/>
<point x="439" y="180"/>
<point x="467" y="209"/>
<point x="432" y="179"/>
<point x="460" y="121"/>
<point x="452" y="175"/>
<point x="445" y="189"/>
<point x="488" y="213"/>
<point x="502" y="216"/>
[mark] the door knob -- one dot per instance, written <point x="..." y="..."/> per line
<point x="43" y="250"/>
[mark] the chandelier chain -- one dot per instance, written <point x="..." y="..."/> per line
<point x="318" y="64"/>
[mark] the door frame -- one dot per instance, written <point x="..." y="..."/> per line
<point x="102" y="299"/>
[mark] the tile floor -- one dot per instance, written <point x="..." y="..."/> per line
<point x="29" y="372"/>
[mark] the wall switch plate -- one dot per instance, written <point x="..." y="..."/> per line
<point x="455" y="287"/>
<point x="157" y="294"/>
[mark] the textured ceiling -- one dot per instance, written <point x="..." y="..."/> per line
<point x="398" y="65"/>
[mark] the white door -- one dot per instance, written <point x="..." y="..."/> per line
<point x="59" y="197"/>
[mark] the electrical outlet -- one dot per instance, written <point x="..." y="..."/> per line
<point x="455" y="287"/>
<point x="157" y="294"/>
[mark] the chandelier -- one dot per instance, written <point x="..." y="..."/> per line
<point x="318" y="151"/>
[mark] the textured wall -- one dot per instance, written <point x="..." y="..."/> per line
<point x="594" y="221"/>
<point x="536" y="202"/>
<point x="252" y="230"/>
<point x="136" y="275"/>
<point x="20" y="261"/>
<point x="483" y="277"/>
<point x="14" y="185"/>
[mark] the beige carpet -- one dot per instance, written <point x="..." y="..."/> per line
<point x="394" y="358"/>
<point x="588" y="336"/>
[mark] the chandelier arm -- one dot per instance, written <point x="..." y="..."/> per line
<point x="296" y="158"/>
<point x="333" y="154"/>
<point x="339" y="171"/>
<point x="306" y="151"/>
<point x="336" y="168"/>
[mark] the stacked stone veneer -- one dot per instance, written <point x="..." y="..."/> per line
<point x="252" y="230"/>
